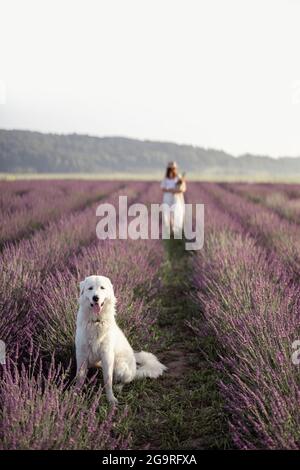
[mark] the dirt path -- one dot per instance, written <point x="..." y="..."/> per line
<point x="183" y="409"/>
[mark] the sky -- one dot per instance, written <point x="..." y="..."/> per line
<point x="213" y="73"/>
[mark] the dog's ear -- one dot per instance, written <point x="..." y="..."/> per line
<point x="82" y="284"/>
<point x="111" y="289"/>
<point x="110" y="284"/>
<point x="112" y="297"/>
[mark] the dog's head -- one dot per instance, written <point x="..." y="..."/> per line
<point x="96" y="292"/>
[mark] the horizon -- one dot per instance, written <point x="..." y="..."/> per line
<point x="220" y="75"/>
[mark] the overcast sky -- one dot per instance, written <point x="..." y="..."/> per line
<point x="215" y="73"/>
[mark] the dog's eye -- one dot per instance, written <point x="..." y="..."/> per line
<point x="90" y="288"/>
<point x="102" y="287"/>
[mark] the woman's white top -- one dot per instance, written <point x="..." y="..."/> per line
<point x="169" y="198"/>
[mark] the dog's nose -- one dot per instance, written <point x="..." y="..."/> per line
<point x="95" y="298"/>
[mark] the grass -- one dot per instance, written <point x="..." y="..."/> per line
<point x="182" y="409"/>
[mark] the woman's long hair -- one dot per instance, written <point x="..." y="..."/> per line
<point x="171" y="171"/>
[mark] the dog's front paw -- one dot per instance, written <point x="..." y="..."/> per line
<point x="113" y="401"/>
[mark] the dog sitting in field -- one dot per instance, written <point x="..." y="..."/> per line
<point x="100" y="342"/>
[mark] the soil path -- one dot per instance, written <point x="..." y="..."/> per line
<point x="182" y="409"/>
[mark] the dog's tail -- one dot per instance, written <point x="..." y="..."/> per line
<point x="148" y="365"/>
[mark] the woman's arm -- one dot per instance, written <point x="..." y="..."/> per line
<point x="164" y="189"/>
<point x="162" y="186"/>
<point x="183" y="187"/>
<point x="180" y="189"/>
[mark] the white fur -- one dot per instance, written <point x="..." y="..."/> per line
<point x="99" y="340"/>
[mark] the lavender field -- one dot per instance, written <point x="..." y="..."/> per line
<point x="223" y="319"/>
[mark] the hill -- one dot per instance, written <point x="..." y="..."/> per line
<point x="34" y="152"/>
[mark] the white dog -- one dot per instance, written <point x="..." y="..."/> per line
<point x="100" y="342"/>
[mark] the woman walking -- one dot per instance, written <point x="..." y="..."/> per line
<point x="173" y="187"/>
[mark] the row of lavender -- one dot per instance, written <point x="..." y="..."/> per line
<point x="39" y="296"/>
<point x="248" y="293"/>
<point x="28" y="206"/>
<point x="284" y="199"/>
<point x="24" y="265"/>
